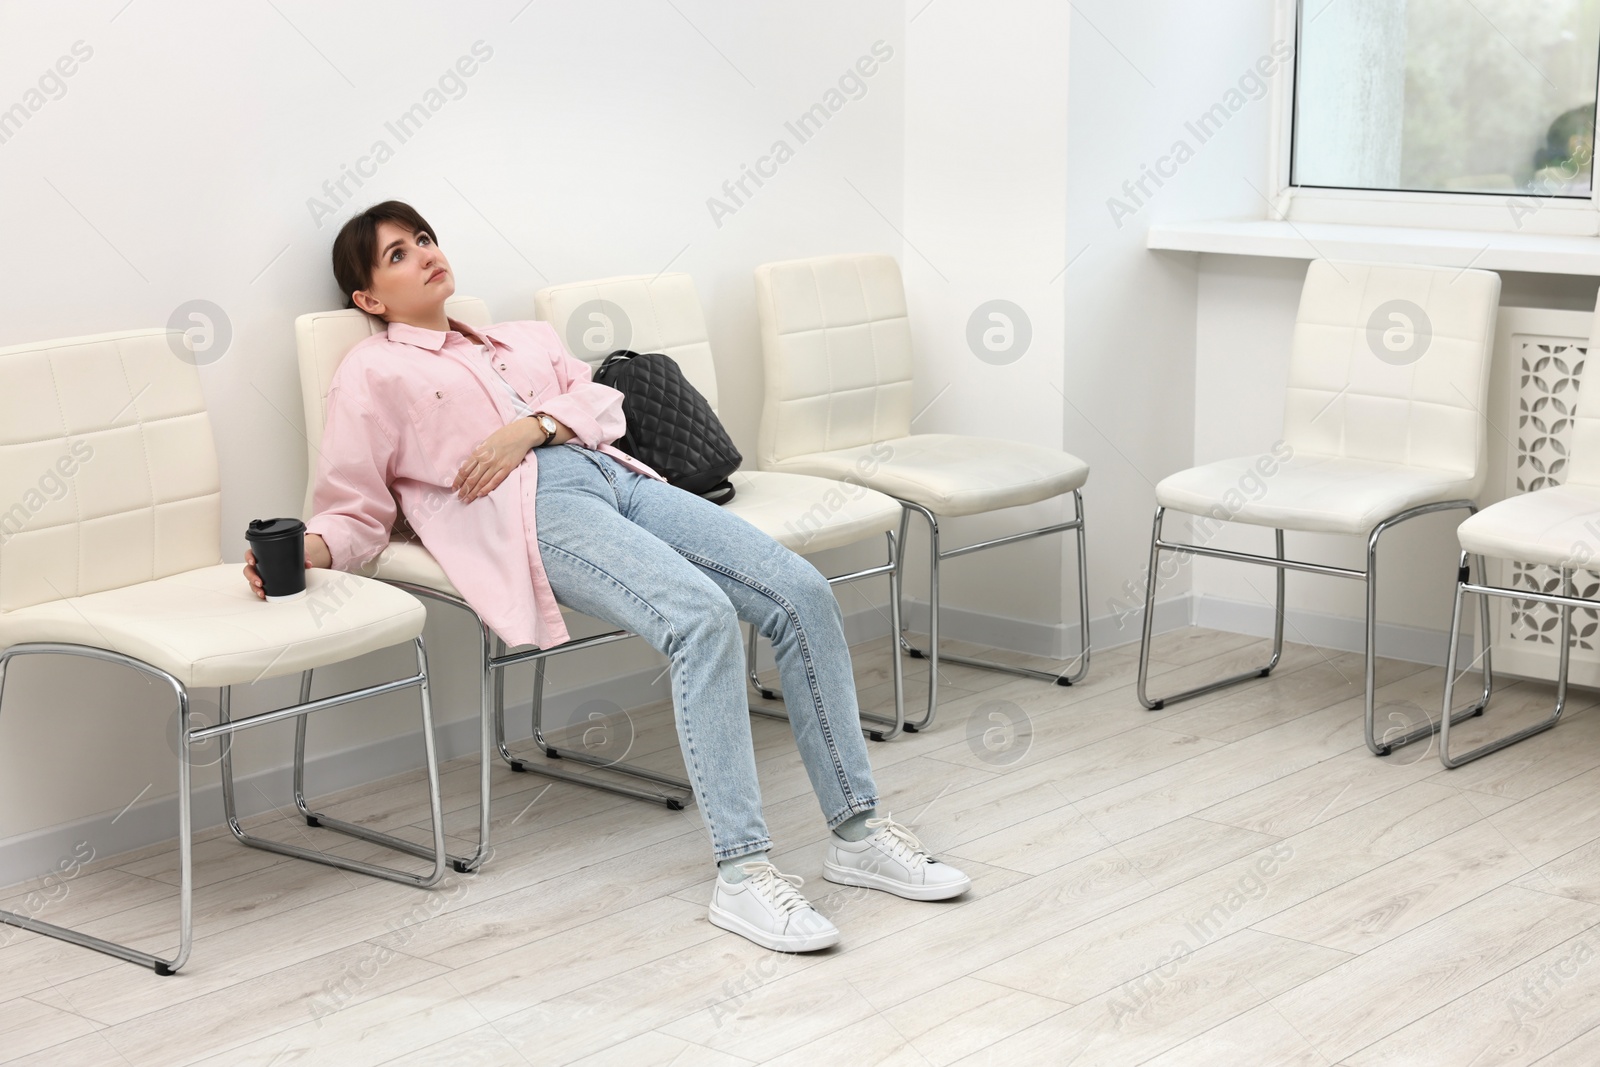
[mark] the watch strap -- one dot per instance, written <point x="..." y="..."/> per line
<point x="548" y="425"/>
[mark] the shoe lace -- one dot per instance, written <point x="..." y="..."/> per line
<point x="783" y="890"/>
<point x="899" y="841"/>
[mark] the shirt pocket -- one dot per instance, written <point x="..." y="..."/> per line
<point x="533" y="379"/>
<point x="445" y="426"/>
<point x="425" y="407"/>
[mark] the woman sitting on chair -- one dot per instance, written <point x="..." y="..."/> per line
<point x="473" y="432"/>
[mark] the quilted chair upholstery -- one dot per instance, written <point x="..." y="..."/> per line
<point x="1383" y="422"/>
<point x="124" y="553"/>
<point x="1371" y="437"/>
<point x="111" y="552"/>
<point x="836" y="345"/>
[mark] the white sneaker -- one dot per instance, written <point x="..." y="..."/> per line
<point x="892" y="859"/>
<point x="768" y="909"/>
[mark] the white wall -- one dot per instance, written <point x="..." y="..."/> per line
<point x="1142" y="74"/>
<point x="178" y="164"/>
<point x="1023" y="121"/>
<point x="985" y="220"/>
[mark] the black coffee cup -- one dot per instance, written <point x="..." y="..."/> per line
<point x="280" y="548"/>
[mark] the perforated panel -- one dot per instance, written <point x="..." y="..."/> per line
<point x="1540" y="361"/>
<point x="108" y="471"/>
<point x="1548" y="372"/>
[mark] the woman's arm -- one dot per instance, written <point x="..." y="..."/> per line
<point x="497" y="455"/>
<point x="353" y="509"/>
<point x="593" y="412"/>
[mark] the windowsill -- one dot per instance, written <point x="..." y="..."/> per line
<point x="1537" y="253"/>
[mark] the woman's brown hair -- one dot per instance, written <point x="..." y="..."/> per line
<point x="355" y="250"/>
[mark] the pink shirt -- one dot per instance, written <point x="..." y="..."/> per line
<point x="404" y="411"/>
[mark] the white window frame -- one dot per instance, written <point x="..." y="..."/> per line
<point x="1521" y="213"/>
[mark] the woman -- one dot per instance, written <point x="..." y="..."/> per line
<point x="474" y="433"/>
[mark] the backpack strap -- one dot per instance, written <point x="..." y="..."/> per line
<point x="720" y="494"/>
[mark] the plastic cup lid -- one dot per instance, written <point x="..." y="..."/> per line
<point x="272" y="529"/>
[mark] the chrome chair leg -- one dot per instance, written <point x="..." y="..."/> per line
<point x="1282" y="564"/>
<point x="936" y="554"/>
<point x="494" y="693"/>
<point x="490" y="729"/>
<point x="461" y="864"/>
<point x="1085" y="640"/>
<point x="493" y="659"/>
<point x="897" y="674"/>
<point x="551" y="754"/>
<point x="436" y="853"/>
<point x="932" y="655"/>
<point x="224" y="729"/>
<point x="896" y="669"/>
<point x="1369" y="690"/>
<point x="1566" y="602"/>
<point x="1151" y="579"/>
<point x="161" y="965"/>
<point x="750" y="671"/>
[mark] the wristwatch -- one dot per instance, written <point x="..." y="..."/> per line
<point x="550" y="426"/>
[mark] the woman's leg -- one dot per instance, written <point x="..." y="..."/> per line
<point x="606" y="566"/>
<point x="793" y="606"/>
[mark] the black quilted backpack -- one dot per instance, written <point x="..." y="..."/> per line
<point x="670" y="424"/>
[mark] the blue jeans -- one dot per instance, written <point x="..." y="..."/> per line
<point x="681" y="573"/>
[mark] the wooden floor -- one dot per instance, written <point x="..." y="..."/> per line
<point x="1229" y="881"/>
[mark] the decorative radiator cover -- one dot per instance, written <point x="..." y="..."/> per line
<point x="1538" y="356"/>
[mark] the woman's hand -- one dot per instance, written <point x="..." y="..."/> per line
<point x="498" y="455"/>
<point x="317" y="555"/>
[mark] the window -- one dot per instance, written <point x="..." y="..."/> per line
<point x="1467" y="98"/>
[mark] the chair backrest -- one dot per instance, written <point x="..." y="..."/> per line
<point x="836" y="346"/>
<point x="641" y="312"/>
<point x="108" y="471"/>
<point x="1583" y="446"/>
<point x="324" y="338"/>
<point x="1391" y="363"/>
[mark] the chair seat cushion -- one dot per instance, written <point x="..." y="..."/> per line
<point x="951" y="474"/>
<point x="207" y="628"/>
<point x="1559" y="526"/>
<point x="409" y="561"/>
<point x="809" y="514"/>
<point x="1327" y="494"/>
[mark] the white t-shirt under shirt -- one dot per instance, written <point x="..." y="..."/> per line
<point x="521" y="405"/>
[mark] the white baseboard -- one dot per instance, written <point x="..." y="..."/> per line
<point x="1052" y="640"/>
<point x="155" y="821"/>
<point x="1412" y="644"/>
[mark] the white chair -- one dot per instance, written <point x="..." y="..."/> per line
<point x="124" y="565"/>
<point x="837" y="349"/>
<point x="1384" y="422"/>
<point x="1555" y="526"/>
<point x="324" y="339"/>
<point x="805" y="514"/>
